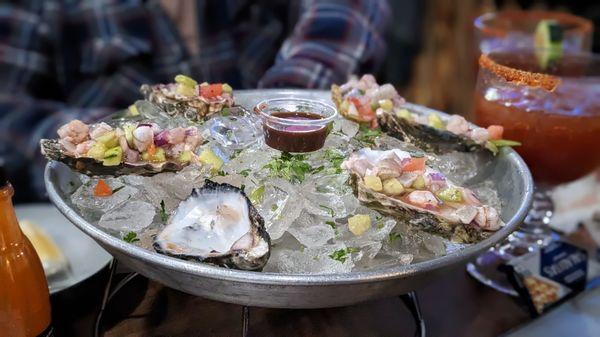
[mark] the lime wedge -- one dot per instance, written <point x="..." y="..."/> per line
<point x="548" y="42"/>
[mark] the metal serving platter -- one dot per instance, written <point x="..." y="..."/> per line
<point x="508" y="170"/>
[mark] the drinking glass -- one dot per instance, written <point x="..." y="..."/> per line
<point x="554" y="111"/>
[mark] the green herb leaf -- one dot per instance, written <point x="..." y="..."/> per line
<point x="225" y="112"/>
<point x="505" y="142"/>
<point x="243" y="187"/>
<point x="256" y="196"/>
<point x="244" y="173"/>
<point x="130" y="237"/>
<point x="393" y="237"/>
<point x="335" y="158"/>
<point x="366" y="135"/>
<point x="163" y="212"/>
<point x="331" y="224"/>
<point x="291" y="167"/>
<point x="274" y="207"/>
<point x="379" y="222"/>
<point x="341" y="255"/>
<point x="118" y="189"/>
<point x="329" y="210"/>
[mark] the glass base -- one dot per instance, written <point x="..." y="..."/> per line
<point x="485" y="270"/>
<point x="532" y="235"/>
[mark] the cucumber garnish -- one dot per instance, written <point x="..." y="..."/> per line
<point x="548" y="42"/>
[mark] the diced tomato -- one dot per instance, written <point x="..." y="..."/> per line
<point x="102" y="189"/>
<point x="211" y="90"/>
<point x="152" y="149"/>
<point x="495" y="131"/>
<point x="415" y="164"/>
<point x="364" y="110"/>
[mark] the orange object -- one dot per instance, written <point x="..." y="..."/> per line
<point x="102" y="189"/>
<point x="24" y="296"/>
<point x="211" y="90"/>
<point x="415" y="164"/>
<point x="152" y="150"/>
<point x="495" y="131"/>
<point x="365" y="113"/>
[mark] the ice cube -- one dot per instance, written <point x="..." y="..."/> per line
<point x="315" y="260"/>
<point x="93" y="206"/>
<point x="237" y="130"/>
<point x="280" y="205"/>
<point x="132" y="216"/>
<point x="311" y="230"/>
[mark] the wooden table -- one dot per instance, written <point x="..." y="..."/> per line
<point x="454" y="305"/>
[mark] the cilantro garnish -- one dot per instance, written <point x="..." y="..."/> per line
<point x="130" y="237"/>
<point x="291" y="167"/>
<point x="274" y="207"/>
<point x="118" y="189"/>
<point x="163" y="212"/>
<point x="367" y="136"/>
<point x="244" y="173"/>
<point x="341" y="255"/>
<point x="393" y="237"/>
<point x="256" y="196"/>
<point x="329" y="210"/>
<point x="335" y="157"/>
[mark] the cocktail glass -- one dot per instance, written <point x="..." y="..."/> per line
<point x="554" y="111"/>
<point x="515" y="29"/>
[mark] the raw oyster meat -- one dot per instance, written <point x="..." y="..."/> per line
<point x="400" y="184"/>
<point x="126" y="148"/>
<point x="216" y="224"/>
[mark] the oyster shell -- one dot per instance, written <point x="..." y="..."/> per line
<point x="460" y="217"/>
<point x="425" y="137"/>
<point x="126" y="148"/>
<point x="195" y="108"/>
<point x="216" y="224"/>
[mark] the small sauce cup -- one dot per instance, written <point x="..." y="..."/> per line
<point x="295" y="125"/>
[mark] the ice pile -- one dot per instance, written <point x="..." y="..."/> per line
<point x="304" y="199"/>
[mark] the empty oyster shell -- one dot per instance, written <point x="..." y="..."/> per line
<point x="216" y="224"/>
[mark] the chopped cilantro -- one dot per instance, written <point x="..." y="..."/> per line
<point x="225" y="112"/>
<point x="291" y="167"/>
<point x="367" y="136"/>
<point x="379" y="221"/>
<point x="341" y="255"/>
<point x="257" y="195"/>
<point x="163" y="212"/>
<point x="130" y="237"/>
<point x="118" y="189"/>
<point x="274" y="207"/>
<point x="331" y="224"/>
<point x="392" y="237"/>
<point x="221" y="173"/>
<point x="329" y="210"/>
<point x="244" y="173"/>
<point x="335" y="157"/>
<point x="243" y="187"/>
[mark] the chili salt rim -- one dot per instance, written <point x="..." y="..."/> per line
<point x="578" y="24"/>
<point x="517" y="76"/>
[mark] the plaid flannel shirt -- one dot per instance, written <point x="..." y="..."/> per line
<point x="62" y="59"/>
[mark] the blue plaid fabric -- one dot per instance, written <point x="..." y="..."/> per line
<point x="65" y="59"/>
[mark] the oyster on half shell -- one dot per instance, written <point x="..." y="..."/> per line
<point x="216" y="224"/>
<point x="398" y="183"/>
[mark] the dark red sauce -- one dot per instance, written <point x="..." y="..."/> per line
<point x="294" y="138"/>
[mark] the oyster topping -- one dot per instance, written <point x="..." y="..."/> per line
<point x="101" y="149"/>
<point x="419" y="193"/>
<point x="216" y="224"/>
<point x="187" y="98"/>
<point x="366" y="101"/>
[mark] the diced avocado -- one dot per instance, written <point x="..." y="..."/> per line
<point x="392" y="187"/>
<point x="113" y="156"/>
<point x="386" y="104"/>
<point x="185" y="157"/>
<point x="373" y="183"/>
<point x="128" y="130"/>
<point x="97" y="151"/>
<point x="359" y="224"/>
<point x="208" y="157"/>
<point x="157" y="157"/>
<point x="185" y="80"/>
<point x="548" y="39"/>
<point x="133" y="111"/>
<point x="227" y="88"/>
<point x="403" y="113"/>
<point x="435" y="121"/>
<point x="450" y="194"/>
<point x="185" y="90"/>
<point x="109" y="139"/>
<point x="419" y="183"/>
